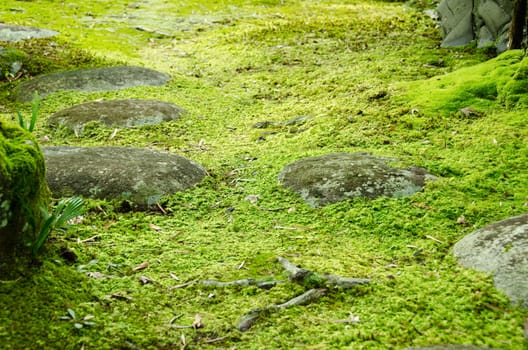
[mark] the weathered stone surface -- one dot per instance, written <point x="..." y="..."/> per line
<point x="22" y="188"/>
<point x="486" y="21"/>
<point x="96" y="79"/>
<point x="9" y="32"/>
<point x="456" y="22"/>
<point x="116" y="113"/>
<point x="141" y="176"/>
<point x="450" y="347"/>
<point x="337" y="176"/>
<point x="501" y="249"/>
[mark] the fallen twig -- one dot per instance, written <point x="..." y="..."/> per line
<point x="210" y="341"/>
<point x="245" y="283"/>
<point x="319" y="285"/>
<point x="246" y="321"/>
<point x="183" y="285"/>
<point x="303" y="276"/>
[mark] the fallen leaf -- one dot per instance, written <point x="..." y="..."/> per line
<point x="351" y="319"/>
<point x="433" y="239"/>
<point x="98" y="275"/>
<point x="71" y="313"/>
<point x="120" y="297"/>
<point x="155" y="227"/>
<point x="146" y="280"/>
<point x="114" y="133"/>
<point x="183" y="285"/>
<point x="183" y="341"/>
<point x="253" y="198"/>
<point x="461" y="220"/>
<point x="293" y="228"/>
<point x="197" y="323"/>
<point x="141" y="266"/>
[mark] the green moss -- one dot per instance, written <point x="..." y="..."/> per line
<point x="236" y="63"/>
<point x="497" y="83"/>
<point x="23" y="188"/>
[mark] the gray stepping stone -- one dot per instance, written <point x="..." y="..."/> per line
<point x="10" y="32"/>
<point x="139" y="175"/>
<point x="116" y="113"/>
<point x="502" y="250"/>
<point x="337" y="176"/>
<point x="88" y="80"/>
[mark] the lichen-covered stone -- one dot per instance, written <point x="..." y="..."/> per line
<point x="337" y="176"/>
<point x="502" y="250"/>
<point x="22" y="188"/>
<point x="116" y="113"/>
<point x="96" y="79"/>
<point x="141" y="176"/>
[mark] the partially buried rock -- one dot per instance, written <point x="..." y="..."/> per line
<point x="337" y="176"/>
<point x="116" y="113"/>
<point x="10" y="32"/>
<point x="96" y="79"/>
<point x="502" y="250"/>
<point x="141" y="176"/>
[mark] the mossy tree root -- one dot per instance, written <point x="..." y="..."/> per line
<point x="318" y="284"/>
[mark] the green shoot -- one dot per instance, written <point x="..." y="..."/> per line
<point x="66" y="210"/>
<point x="34" y="115"/>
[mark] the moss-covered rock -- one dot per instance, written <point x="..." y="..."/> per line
<point x="499" y="82"/>
<point x="335" y="177"/>
<point x="11" y="62"/>
<point x="23" y="188"/>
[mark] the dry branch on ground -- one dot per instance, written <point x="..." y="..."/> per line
<point x="319" y="285"/>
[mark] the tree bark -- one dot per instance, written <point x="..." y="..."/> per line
<point x="517" y="25"/>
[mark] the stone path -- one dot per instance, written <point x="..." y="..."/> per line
<point x="116" y="113"/>
<point x="141" y="176"/>
<point x="9" y="32"/>
<point x="89" y="80"/>
<point x="338" y="176"/>
<point x="502" y="250"/>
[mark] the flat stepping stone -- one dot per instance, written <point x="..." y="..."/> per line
<point x="502" y="250"/>
<point x="10" y="32"/>
<point x="337" y="176"/>
<point x="141" y="176"/>
<point x="89" y="80"/>
<point x="116" y="113"/>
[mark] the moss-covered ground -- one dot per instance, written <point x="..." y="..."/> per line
<point x="348" y="67"/>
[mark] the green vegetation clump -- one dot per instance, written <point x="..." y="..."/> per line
<point x="23" y="189"/>
<point x="336" y="65"/>
<point x="501" y="82"/>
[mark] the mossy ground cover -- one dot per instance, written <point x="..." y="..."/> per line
<point x="338" y="64"/>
